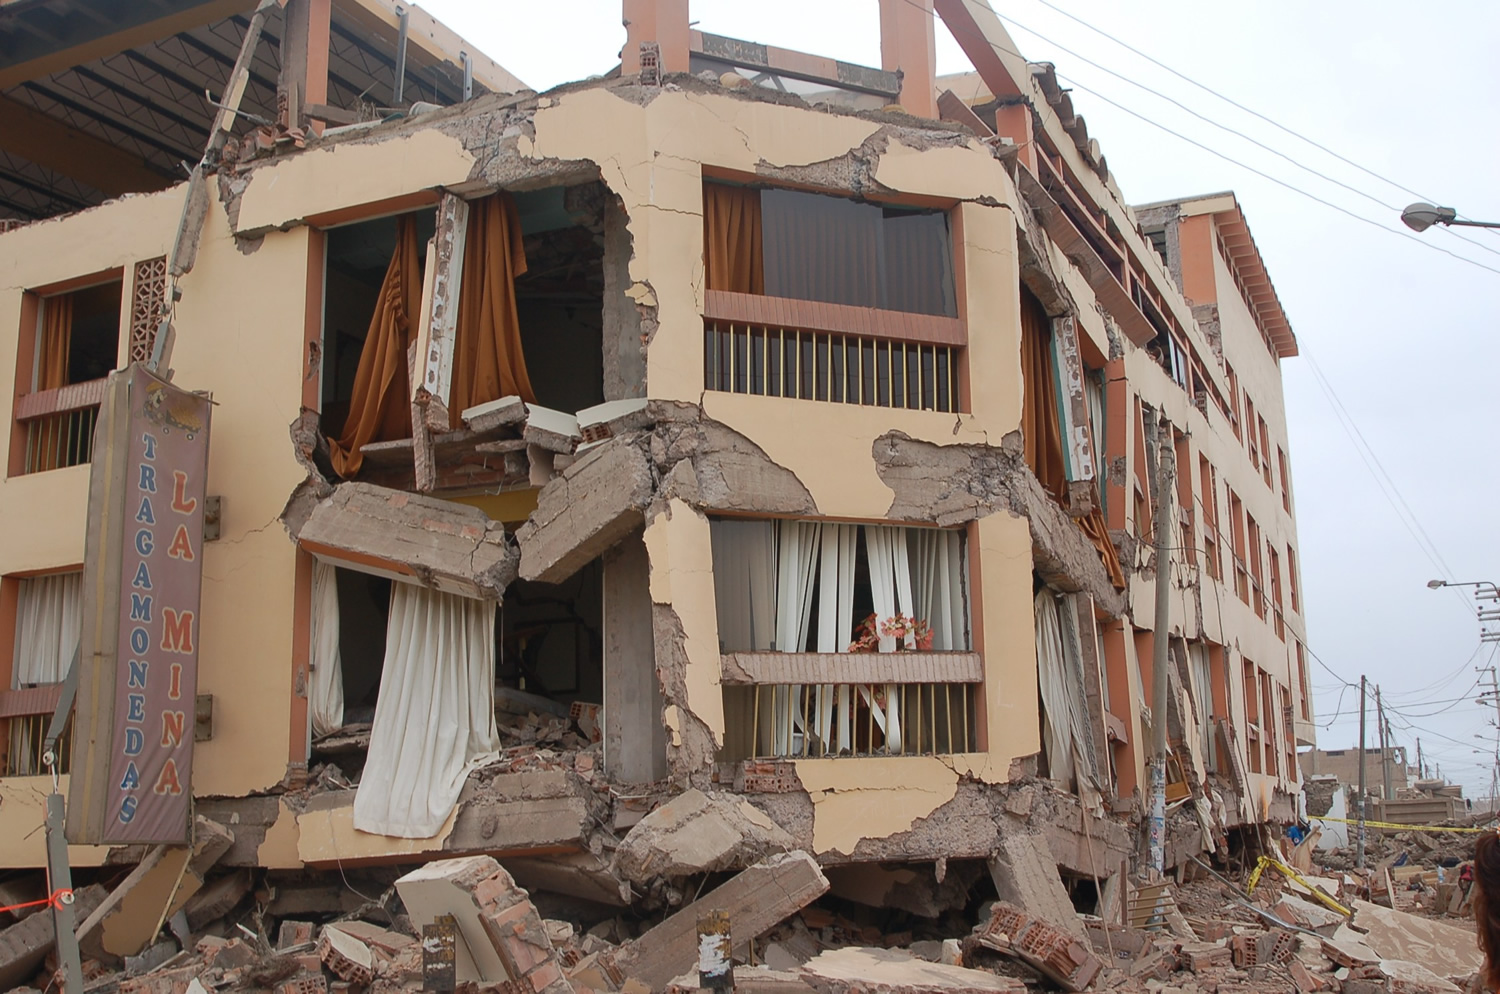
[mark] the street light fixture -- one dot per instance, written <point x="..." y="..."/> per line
<point x="1419" y="217"/>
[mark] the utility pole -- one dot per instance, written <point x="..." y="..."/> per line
<point x="1421" y="768"/>
<point x="1359" y="800"/>
<point x="1385" y="749"/>
<point x="1161" y="444"/>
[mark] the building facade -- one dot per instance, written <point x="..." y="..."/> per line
<point x="800" y="445"/>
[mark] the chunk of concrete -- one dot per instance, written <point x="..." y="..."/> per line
<point x="857" y="970"/>
<point x="409" y="537"/>
<point x="1446" y="950"/>
<point x="1411" y="978"/>
<point x="756" y="899"/>
<point x="594" y="503"/>
<point x="346" y="956"/>
<point x="502" y="937"/>
<point x="1026" y="876"/>
<point x="699" y="833"/>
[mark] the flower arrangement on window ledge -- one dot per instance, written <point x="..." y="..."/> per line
<point x="899" y="627"/>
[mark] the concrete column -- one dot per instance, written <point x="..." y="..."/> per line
<point x="635" y="740"/>
<point x="908" y="46"/>
<point x="662" y="21"/>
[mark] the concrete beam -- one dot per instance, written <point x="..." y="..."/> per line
<point x="597" y="501"/>
<point x="410" y="538"/>
<point x="908" y="45"/>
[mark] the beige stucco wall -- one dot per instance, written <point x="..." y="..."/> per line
<point x="239" y="335"/>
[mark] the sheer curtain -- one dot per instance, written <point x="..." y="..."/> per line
<point x="890" y="590"/>
<point x="326" y="696"/>
<point x="938" y="585"/>
<point x="435" y="716"/>
<point x="1053" y="683"/>
<point x="49" y="619"/>
<point x="835" y="626"/>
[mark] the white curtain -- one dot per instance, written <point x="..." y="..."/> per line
<point x="890" y="590"/>
<point x="745" y="584"/>
<point x="49" y="619"/>
<point x="938" y="586"/>
<point x="799" y="543"/>
<point x="1085" y="762"/>
<point x="835" y="630"/>
<point x="326" y="694"/>
<point x="1052" y="680"/>
<point x="435" y="716"/>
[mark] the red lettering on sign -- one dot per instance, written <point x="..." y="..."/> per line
<point x="182" y="546"/>
<point x="181" y="502"/>
<point x="168" y="783"/>
<point x="172" y="724"/>
<point x="177" y="631"/>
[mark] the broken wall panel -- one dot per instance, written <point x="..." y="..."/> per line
<point x="411" y="538"/>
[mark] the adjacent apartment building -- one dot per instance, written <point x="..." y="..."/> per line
<point x="739" y="419"/>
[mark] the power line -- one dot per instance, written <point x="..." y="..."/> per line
<point x="1226" y="128"/>
<point x="1214" y="152"/>
<point x="1235" y="103"/>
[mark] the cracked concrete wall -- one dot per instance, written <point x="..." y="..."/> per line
<point x="684" y="622"/>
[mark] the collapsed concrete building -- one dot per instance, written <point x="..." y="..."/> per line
<point x="739" y="422"/>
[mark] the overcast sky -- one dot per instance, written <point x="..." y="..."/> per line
<point x="1397" y="481"/>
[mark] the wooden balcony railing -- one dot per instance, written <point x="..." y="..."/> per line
<point x="817" y="705"/>
<point x="59" y="425"/>
<point x="779" y="347"/>
<point x="28" y="713"/>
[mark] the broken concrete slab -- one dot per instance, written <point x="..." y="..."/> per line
<point x="502" y="937"/>
<point x="859" y="970"/>
<point x="122" y="925"/>
<point x="1047" y="948"/>
<point x="1446" y="950"/>
<point x="1025" y="876"/>
<point x="24" y="945"/>
<point x="591" y="505"/>
<point x="346" y="956"/>
<point x="1404" y="977"/>
<point x="696" y="832"/>
<point x="411" y="538"/>
<point x="755" y="899"/>
<point x="217" y="898"/>
<point x="552" y="430"/>
<point x="495" y="414"/>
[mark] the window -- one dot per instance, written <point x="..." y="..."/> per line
<point x="1268" y="721"/>
<point x="1253" y="748"/>
<point x="75" y="345"/>
<point x="1257" y="578"/>
<point x="1286" y="481"/>
<point x="1234" y="399"/>
<point x="1265" y="452"/>
<point x="49" y="620"/>
<point x="1306" y="691"/>
<point x="1251" y="436"/>
<point x="835" y="250"/>
<point x="1210" y="504"/>
<point x="1275" y="561"/>
<point x="788" y="588"/>
<point x="840" y="258"/>
<point x="1237" y="540"/>
<point x="1291" y="575"/>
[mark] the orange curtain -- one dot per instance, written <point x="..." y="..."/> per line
<point x="1039" y="426"/>
<point x="487" y="360"/>
<point x="380" y="406"/>
<point x="57" y="339"/>
<point x="733" y="254"/>
<point x="1097" y="530"/>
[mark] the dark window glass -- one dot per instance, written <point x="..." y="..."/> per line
<point x="840" y="251"/>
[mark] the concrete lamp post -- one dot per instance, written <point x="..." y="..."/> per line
<point x="1420" y="217"/>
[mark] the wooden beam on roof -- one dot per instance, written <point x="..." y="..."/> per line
<point x="986" y="43"/>
<point x="434" y="40"/>
<point x="184" y="17"/>
<point x="50" y="143"/>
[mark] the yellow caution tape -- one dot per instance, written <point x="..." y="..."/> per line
<point x="1294" y="876"/>
<point x="1398" y="826"/>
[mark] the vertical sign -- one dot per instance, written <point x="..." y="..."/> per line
<point x="143" y="572"/>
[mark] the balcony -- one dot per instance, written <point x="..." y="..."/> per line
<point x="26" y="714"/>
<point x="809" y="350"/>
<point x="58" y="426"/>
<point x="850" y="704"/>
